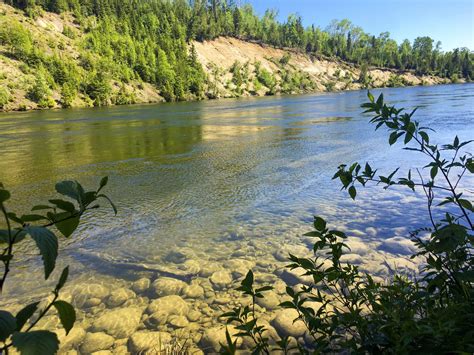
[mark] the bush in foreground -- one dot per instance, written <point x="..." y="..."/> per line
<point x="18" y="331"/>
<point x="430" y="313"/>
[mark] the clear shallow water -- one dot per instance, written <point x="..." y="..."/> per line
<point x="218" y="180"/>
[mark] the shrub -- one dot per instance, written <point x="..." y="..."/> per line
<point x="267" y="79"/>
<point x="395" y="81"/>
<point x="18" y="331"/>
<point x="40" y="92"/>
<point x="430" y="313"/>
<point x="4" y="97"/>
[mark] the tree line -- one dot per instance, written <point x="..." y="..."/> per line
<point x="148" y="40"/>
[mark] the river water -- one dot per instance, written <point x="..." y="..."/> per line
<point x="217" y="185"/>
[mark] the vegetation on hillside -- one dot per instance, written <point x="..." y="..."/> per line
<point x="109" y="48"/>
<point x="344" y="310"/>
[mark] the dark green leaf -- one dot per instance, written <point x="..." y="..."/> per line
<point x="103" y="182"/>
<point x="319" y="223"/>
<point x="4" y="195"/>
<point x="68" y="224"/>
<point x="248" y="281"/>
<point x="47" y="244"/>
<point x="62" y="279"/>
<point x="32" y="217"/>
<point x="63" y="205"/>
<point x="352" y="192"/>
<point x="434" y="171"/>
<point x="41" y="207"/>
<point x="7" y="325"/>
<point x="24" y="314"/>
<point x="39" y="342"/>
<point x="67" y="315"/>
<point x="70" y="189"/>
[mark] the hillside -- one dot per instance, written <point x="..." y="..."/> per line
<point x="36" y="64"/>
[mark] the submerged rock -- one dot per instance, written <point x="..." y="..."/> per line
<point x="178" y="321"/>
<point x="193" y="291"/>
<point x="141" y="285"/>
<point x="213" y="338"/>
<point x="270" y="300"/>
<point x="169" y="305"/>
<point x="95" y="342"/>
<point x="165" y="286"/>
<point x="143" y="341"/>
<point x="119" y="297"/>
<point x="119" y="323"/>
<point x="221" y="279"/>
<point x="285" y="323"/>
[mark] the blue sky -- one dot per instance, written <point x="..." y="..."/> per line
<point x="449" y="21"/>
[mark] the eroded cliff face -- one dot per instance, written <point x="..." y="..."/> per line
<point x="233" y="67"/>
<point x="292" y="70"/>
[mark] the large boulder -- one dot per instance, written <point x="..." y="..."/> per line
<point x="120" y="323"/>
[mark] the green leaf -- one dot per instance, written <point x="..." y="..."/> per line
<point x="393" y="137"/>
<point x="425" y="137"/>
<point x="4" y="195"/>
<point x="248" y="281"/>
<point x="68" y="225"/>
<point x="7" y="325"/>
<point x="47" y="244"/>
<point x="434" y="171"/>
<point x="352" y="192"/>
<point x="62" y="279"/>
<point x="70" y="189"/>
<point x="24" y="314"/>
<point x="32" y="217"/>
<point x="41" y="207"/>
<point x="380" y="100"/>
<point x="63" y="205"/>
<point x="319" y="223"/>
<point x="370" y="96"/>
<point x="39" y="342"/>
<point x="103" y="183"/>
<point x="466" y="204"/>
<point x="67" y="315"/>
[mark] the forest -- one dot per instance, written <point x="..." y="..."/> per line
<point x="149" y="41"/>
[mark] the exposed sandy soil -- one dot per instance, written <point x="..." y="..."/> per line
<point x="223" y="52"/>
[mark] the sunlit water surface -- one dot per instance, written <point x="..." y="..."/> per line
<point x="217" y="181"/>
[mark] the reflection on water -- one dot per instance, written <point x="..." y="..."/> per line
<point x="215" y="185"/>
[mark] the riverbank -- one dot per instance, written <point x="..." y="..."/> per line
<point x="232" y="68"/>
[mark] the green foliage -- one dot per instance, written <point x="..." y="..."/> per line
<point x="16" y="38"/>
<point x="267" y="79"/>
<point x="395" y="81"/>
<point x="4" y="96"/>
<point x="99" y="89"/>
<point x="40" y="91"/>
<point x="430" y="313"/>
<point x="17" y="331"/>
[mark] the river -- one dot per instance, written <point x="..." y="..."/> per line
<point x="218" y="185"/>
